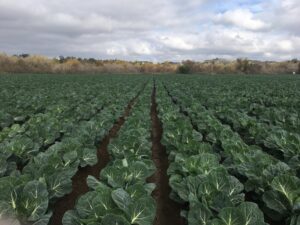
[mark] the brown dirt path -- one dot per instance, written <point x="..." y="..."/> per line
<point x="168" y="211"/>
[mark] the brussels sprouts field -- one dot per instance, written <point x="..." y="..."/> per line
<point x="149" y="150"/>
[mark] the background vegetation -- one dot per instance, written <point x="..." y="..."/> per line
<point x="39" y="64"/>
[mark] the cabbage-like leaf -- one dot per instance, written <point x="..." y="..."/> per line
<point x="71" y="218"/>
<point x="138" y="191"/>
<point x="111" y="219"/>
<point x="97" y="185"/>
<point x="277" y="201"/>
<point x="142" y="211"/>
<point x="287" y="185"/>
<point x="70" y="157"/>
<point x="59" y="184"/>
<point x="150" y="187"/>
<point x="199" y="214"/>
<point x="277" y="169"/>
<point x="295" y="220"/>
<point x="192" y="186"/>
<point x="251" y="214"/>
<point x="121" y="198"/>
<point x="119" y="176"/>
<point x="247" y="213"/>
<point x="94" y="204"/>
<point x="22" y="145"/>
<point x="34" y="200"/>
<point x="44" y="220"/>
<point x="201" y="164"/>
<point x="3" y="165"/>
<point x="89" y="157"/>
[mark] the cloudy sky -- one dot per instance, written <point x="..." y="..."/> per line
<point x="154" y="30"/>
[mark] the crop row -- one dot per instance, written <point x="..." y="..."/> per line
<point x="120" y="194"/>
<point x="23" y="99"/>
<point x="280" y="139"/>
<point x="267" y="181"/>
<point x="30" y="194"/>
<point x="213" y="154"/>
<point x="197" y="176"/>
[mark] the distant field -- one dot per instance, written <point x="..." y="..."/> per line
<point x="142" y="149"/>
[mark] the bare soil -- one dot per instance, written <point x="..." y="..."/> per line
<point x="168" y="211"/>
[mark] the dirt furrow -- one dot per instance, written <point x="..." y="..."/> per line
<point x="168" y="211"/>
<point x="79" y="185"/>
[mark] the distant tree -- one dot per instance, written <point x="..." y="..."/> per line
<point x="61" y="59"/>
<point x="243" y="65"/>
<point x="92" y="60"/>
<point x="186" y="67"/>
<point x="294" y="60"/>
<point x="298" y="68"/>
<point x="24" y="55"/>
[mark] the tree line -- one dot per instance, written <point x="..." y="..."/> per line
<point x="26" y="63"/>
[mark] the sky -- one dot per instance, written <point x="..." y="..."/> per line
<point x="154" y="30"/>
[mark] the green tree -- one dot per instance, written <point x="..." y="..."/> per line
<point x="186" y="67"/>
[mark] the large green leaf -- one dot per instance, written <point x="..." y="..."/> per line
<point x="97" y="185"/>
<point x="288" y="186"/>
<point x="149" y="187"/>
<point x="138" y="191"/>
<point x="277" y="201"/>
<point x="111" y="219"/>
<point x="119" y="176"/>
<point x="89" y="157"/>
<point x="228" y="216"/>
<point x="245" y="214"/>
<point x="70" y="157"/>
<point x="71" y="218"/>
<point x="121" y="198"/>
<point x="201" y="164"/>
<point x="60" y="184"/>
<point x="251" y="215"/>
<point x="44" y="220"/>
<point x="34" y="200"/>
<point x="142" y="211"/>
<point x="295" y="220"/>
<point x="94" y="204"/>
<point x="199" y="214"/>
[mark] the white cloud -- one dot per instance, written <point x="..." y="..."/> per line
<point x="285" y="15"/>
<point x="152" y="30"/>
<point x="243" y="18"/>
<point x="176" y="42"/>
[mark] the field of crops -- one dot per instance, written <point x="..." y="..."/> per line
<point x="161" y="150"/>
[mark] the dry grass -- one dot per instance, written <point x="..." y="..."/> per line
<point x="41" y="64"/>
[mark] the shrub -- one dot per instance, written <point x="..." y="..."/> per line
<point x="186" y="67"/>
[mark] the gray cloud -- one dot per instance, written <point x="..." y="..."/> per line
<point x="152" y="30"/>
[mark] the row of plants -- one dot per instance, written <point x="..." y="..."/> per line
<point x="279" y="142"/>
<point x="20" y="98"/>
<point x="197" y="176"/>
<point x="271" y="100"/>
<point x="268" y="181"/>
<point x="29" y="195"/>
<point x="121" y="194"/>
<point x="270" y="124"/>
<point x="22" y="142"/>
